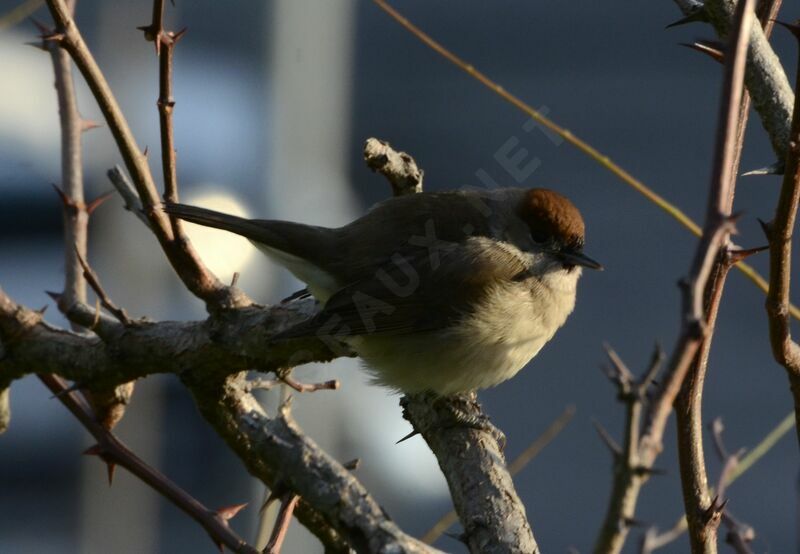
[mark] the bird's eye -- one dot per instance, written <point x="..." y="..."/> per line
<point x="539" y="236"/>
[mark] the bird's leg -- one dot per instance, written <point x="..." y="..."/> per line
<point x="452" y="412"/>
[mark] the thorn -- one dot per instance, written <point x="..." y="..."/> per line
<point x="145" y="151"/>
<point x="793" y="28"/>
<point x="76" y="386"/>
<point x="65" y="200"/>
<point x="89" y="124"/>
<point x="219" y="545"/>
<point x="776" y="168"/>
<point x="697" y="16"/>
<point x="94" y="450"/>
<point x="711" y="48"/>
<point x="633" y="522"/>
<point x="353" y="464"/>
<point x="408" y="436"/>
<point x="766" y="226"/>
<point x="42" y="310"/>
<point x="54" y="295"/>
<point x="739" y="254"/>
<point x="97" y="202"/>
<point x="41" y="27"/>
<point x="53" y="37"/>
<point x="235" y="279"/>
<point x="607" y="439"/>
<point x="149" y="33"/>
<point x="228" y="512"/>
<point x="179" y="35"/>
<point x="38" y="45"/>
<point x="110" y="468"/>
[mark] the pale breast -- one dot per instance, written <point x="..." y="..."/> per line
<point x="515" y="320"/>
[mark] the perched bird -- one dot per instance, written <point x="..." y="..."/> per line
<point x="443" y="292"/>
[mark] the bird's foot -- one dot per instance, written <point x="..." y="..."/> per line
<point x="464" y="411"/>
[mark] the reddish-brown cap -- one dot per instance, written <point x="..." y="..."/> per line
<point x="551" y="215"/>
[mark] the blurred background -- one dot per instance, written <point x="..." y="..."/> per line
<point x="274" y="102"/>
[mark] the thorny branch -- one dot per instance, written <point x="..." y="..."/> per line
<point x="113" y="452"/>
<point x="702" y="512"/>
<point x="710" y="259"/>
<point x="182" y="256"/>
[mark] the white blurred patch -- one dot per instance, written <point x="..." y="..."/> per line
<point x="223" y="252"/>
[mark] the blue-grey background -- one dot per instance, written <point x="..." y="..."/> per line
<point x="274" y="102"/>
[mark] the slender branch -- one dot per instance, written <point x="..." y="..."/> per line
<point x="598" y="157"/>
<point x="779" y="233"/>
<point x="114" y="452"/>
<point x="702" y="513"/>
<point x="629" y="472"/>
<point x="128" y="193"/>
<point x="76" y="216"/>
<point x="94" y="281"/>
<point x="653" y="540"/>
<point x="182" y="256"/>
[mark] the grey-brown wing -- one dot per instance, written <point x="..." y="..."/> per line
<point x="416" y="291"/>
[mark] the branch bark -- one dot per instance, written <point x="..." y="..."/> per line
<point x="766" y="81"/>
<point x="779" y="234"/>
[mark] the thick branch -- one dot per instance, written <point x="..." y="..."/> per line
<point x="472" y="460"/>
<point x="334" y="505"/>
<point x="236" y="341"/>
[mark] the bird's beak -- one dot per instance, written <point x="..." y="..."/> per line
<point x="579" y="258"/>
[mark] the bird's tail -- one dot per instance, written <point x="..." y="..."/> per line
<point x="210" y="218"/>
<point x="314" y="244"/>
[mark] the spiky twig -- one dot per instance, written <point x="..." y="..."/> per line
<point x="113" y="452"/>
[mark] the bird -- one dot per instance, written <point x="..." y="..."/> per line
<point x="437" y="292"/>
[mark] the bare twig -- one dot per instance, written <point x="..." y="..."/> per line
<point x="267" y="384"/>
<point x="520" y="462"/>
<point x="113" y="452"/>
<point x="398" y="167"/>
<point x="94" y="282"/>
<point x="629" y="472"/>
<point x="128" y="193"/>
<point x="282" y="524"/>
